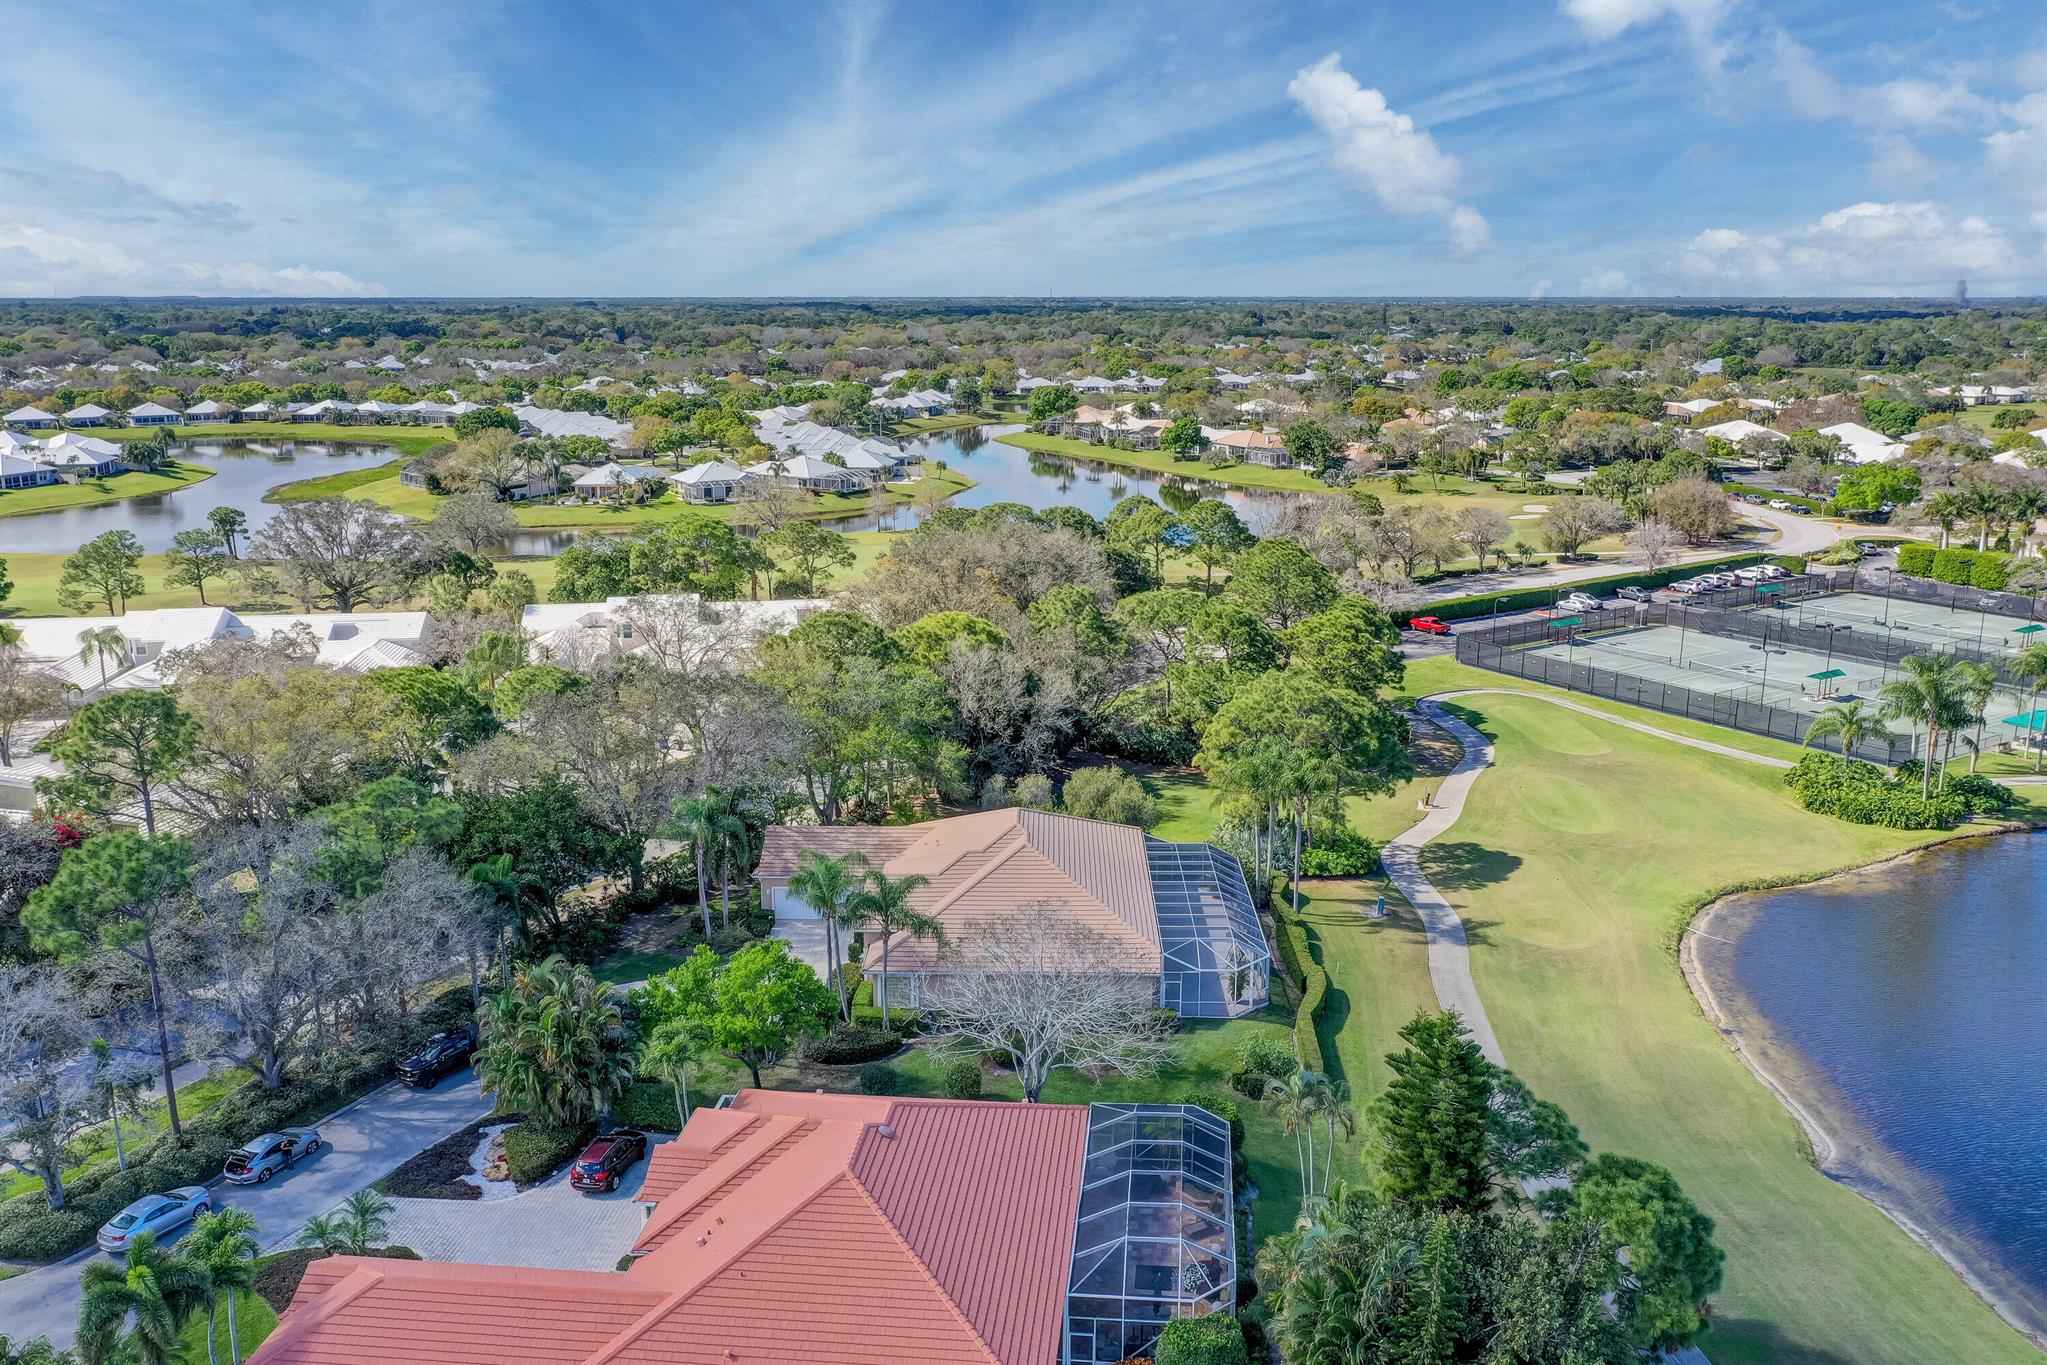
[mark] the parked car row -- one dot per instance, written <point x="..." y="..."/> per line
<point x="1739" y="578"/>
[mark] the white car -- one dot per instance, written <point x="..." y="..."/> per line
<point x="1752" y="574"/>
<point x="1780" y="504"/>
<point x="1579" y="601"/>
<point x="156" y="1214"/>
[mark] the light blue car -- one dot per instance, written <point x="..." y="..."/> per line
<point x="157" y="1214"/>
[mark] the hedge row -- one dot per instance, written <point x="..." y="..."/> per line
<point x="1297" y="956"/>
<point x="535" y="1151"/>
<point x="1864" y="794"/>
<point x="30" y="1231"/>
<point x="1484" y="604"/>
<point x="1986" y="569"/>
<point x="1795" y="499"/>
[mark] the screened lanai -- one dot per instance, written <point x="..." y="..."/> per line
<point x="1154" y="1238"/>
<point x="1213" y="960"/>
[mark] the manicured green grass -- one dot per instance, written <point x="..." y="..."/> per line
<point x="1159" y="462"/>
<point x="923" y="426"/>
<point x="95" y="1147"/>
<point x="52" y="497"/>
<point x="331" y="485"/>
<point x="1378" y="978"/>
<point x="408" y="440"/>
<point x="1567" y="867"/>
<point x="254" y="1321"/>
<point x="635" y="965"/>
<point x="422" y="505"/>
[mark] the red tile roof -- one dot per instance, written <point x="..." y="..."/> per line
<point x="836" y="1229"/>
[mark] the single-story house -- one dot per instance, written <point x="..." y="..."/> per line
<point x="78" y="457"/>
<point x="210" y="410"/>
<point x="154" y="415"/>
<point x="839" y="1230"/>
<point x="1864" y="446"/>
<point x="1256" y="447"/>
<point x="553" y="422"/>
<point x="713" y="481"/>
<point x="812" y="473"/>
<point x="916" y="403"/>
<point x="1180" y="914"/>
<point x="1739" y="430"/>
<point x="31" y="419"/>
<point x="427" y="412"/>
<point x="376" y="410"/>
<point x="1031" y="383"/>
<point x="18" y="471"/>
<point x="89" y="415"/>
<point x="614" y="479"/>
<point x="259" y="412"/>
<point x="326" y="410"/>
<point x="391" y="363"/>
<point x="1094" y="383"/>
<point x="1690" y="407"/>
<point x="1229" y="380"/>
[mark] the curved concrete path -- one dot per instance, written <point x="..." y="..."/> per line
<point x="1449" y="950"/>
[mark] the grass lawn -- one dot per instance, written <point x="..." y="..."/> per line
<point x="1566" y="918"/>
<point x="254" y="1320"/>
<point x="331" y="485"/>
<point x="1378" y="979"/>
<point x="95" y="1147"/>
<point x="1159" y="462"/>
<point x="422" y="505"/>
<point x="406" y="440"/>
<point x="52" y="497"/>
<point x="924" y="426"/>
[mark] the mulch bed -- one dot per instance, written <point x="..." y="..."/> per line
<point x="277" y="1279"/>
<point x="435" y="1173"/>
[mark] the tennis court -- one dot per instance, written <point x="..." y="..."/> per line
<point x="1781" y="677"/>
<point x="1917" y="625"/>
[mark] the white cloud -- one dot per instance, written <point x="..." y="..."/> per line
<point x="1540" y="289"/>
<point x="1604" y="20"/>
<point x="1606" y="283"/>
<point x="36" y="262"/>
<point x="2015" y="154"/>
<point x="1401" y="164"/>
<point x="1866" y="248"/>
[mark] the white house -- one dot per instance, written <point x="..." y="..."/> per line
<point x="552" y="422"/>
<point x="90" y="415"/>
<point x="326" y="410"/>
<point x="810" y="472"/>
<point x="612" y="478"/>
<point x="18" y="471"/>
<point x="1864" y="446"/>
<point x="1739" y="430"/>
<point x="31" y="419"/>
<point x="391" y="363"/>
<point x="714" y="481"/>
<point x="210" y="410"/>
<point x="259" y="412"/>
<point x="154" y="415"/>
<point x="1230" y="380"/>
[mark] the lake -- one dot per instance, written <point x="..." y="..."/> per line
<point x="246" y="470"/>
<point x="1906" y="1009"/>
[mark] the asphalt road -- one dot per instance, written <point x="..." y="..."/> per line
<point x="359" y="1146"/>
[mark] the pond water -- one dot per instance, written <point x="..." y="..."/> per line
<point x="246" y="470"/>
<point x="1006" y="473"/>
<point x="1906" y="1009"/>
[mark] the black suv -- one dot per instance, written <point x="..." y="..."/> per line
<point x="436" y="1057"/>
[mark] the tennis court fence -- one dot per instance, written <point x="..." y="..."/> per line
<point x="1903" y="587"/>
<point x="1503" y="649"/>
<point x="1864" y="644"/>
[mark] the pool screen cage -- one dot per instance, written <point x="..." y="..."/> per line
<point x="1154" y="1238"/>
<point x="1213" y="960"/>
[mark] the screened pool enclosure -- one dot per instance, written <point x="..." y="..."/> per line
<point x="1212" y="956"/>
<point x="1154" y="1238"/>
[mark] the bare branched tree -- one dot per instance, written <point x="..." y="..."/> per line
<point x="44" y="1100"/>
<point x="1041" y="991"/>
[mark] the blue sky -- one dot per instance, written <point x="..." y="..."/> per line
<point x="1602" y="147"/>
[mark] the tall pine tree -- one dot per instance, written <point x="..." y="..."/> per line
<point x="1431" y="1121"/>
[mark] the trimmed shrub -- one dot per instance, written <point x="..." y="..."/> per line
<point x="852" y="1043"/>
<point x="649" y="1106"/>
<point x="1992" y="572"/>
<point x="1267" y="1056"/>
<point x="1340" y="851"/>
<point x="1792" y="564"/>
<point x="1214" y="1339"/>
<point x="44" y="1236"/>
<point x="1954" y="566"/>
<point x="878" y="1078"/>
<point x="1916" y="559"/>
<point x="961" y="1079"/>
<point x="1863" y="794"/>
<point x="535" y="1151"/>
<point x="1299" y="957"/>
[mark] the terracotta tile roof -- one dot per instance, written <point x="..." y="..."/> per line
<point x="986" y="865"/>
<point x="835" y="1229"/>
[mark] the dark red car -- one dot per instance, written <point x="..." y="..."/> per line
<point x="604" y="1162"/>
<point x="1428" y="625"/>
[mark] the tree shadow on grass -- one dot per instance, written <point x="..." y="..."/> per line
<point x="1461" y="865"/>
<point x="1769" y="1343"/>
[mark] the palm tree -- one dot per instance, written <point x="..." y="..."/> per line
<point x="34" y="1351"/>
<point x="2029" y="669"/>
<point x="161" y="1292"/>
<point x="672" y="1052"/>
<point x="224" y="1244"/>
<point x="1947" y="510"/>
<point x="826" y="884"/>
<point x="695" y="822"/>
<point x="1847" y="722"/>
<point x="1337" y="1112"/>
<point x="358" y="1227"/>
<point x="552" y="1044"/>
<point x="101" y="643"/>
<point x="885" y="901"/>
<point x="1978" y="684"/>
<point x="1296" y="1102"/>
<point x="1928" y="692"/>
<point x="732" y="849"/>
<point x="497" y="653"/>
